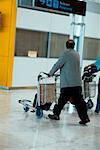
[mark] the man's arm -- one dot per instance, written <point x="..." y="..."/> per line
<point x="97" y="63"/>
<point x="58" y="64"/>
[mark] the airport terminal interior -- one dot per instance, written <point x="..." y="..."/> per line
<point x="33" y="34"/>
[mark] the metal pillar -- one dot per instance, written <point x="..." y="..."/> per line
<point x="78" y="30"/>
<point x="49" y="45"/>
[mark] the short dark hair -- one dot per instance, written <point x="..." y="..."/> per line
<point x="70" y="44"/>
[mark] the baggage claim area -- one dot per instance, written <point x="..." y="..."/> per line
<point x="33" y="34"/>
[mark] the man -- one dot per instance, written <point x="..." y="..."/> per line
<point x="70" y="83"/>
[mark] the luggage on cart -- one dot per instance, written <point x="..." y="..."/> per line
<point x="46" y="92"/>
<point x="89" y="86"/>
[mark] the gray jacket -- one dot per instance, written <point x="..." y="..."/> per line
<point x="69" y="65"/>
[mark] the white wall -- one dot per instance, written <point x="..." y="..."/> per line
<point x="26" y="70"/>
<point x="42" y="21"/>
<point x="92" y="28"/>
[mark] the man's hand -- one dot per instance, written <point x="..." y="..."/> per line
<point x="49" y="75"/>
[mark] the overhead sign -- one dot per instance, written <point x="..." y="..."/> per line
<point x="62" y="6"/>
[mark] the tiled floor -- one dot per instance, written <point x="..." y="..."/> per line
<point x="23" y="131"/>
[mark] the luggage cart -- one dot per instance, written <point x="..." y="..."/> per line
<point x="47" y="93"/>
<point x="89" y="87"/>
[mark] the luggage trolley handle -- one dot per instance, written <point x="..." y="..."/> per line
<point x="40" y="76"/>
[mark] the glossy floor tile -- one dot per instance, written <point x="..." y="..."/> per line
<point x="24" y="131"/>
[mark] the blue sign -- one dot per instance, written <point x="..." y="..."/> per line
<point x="69" y="6"/>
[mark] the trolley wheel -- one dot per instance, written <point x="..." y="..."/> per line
<point x="89" y="104"/>
<point x="26" y="109"/>
<point x="39" y="112"/>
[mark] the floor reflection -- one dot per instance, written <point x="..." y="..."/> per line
<point x="23" y="131"/>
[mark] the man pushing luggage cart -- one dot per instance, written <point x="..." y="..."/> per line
<point x="70" y="83"/>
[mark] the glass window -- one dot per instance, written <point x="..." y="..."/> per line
<point x="58" y="44"/>
<point x="25" y="2"/>
<point x="91" y="48"/>
<point x="27" y="40"/>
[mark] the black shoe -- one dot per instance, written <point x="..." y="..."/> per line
<point x="96" y="111"/>
<point x="54" y="117"/>
<point x="84" y="122"/>
<point x="32" y="111"/>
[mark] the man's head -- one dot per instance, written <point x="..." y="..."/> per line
<point x="70" y="44"/>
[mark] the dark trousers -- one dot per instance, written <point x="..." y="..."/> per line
<point x="98" y="98"/>
<point x="74" y="95"/>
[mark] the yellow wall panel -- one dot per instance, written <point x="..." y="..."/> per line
<point x="4" y="41"/>
<point x="7" y="40"/>
<point x="12" y="30"/>
<point x="9" y="73"/>
<point x="11" y="43"/>
<point x="3" y="71"/>
<point x="5" y="18"/>
<point x="5" y="8"/>
<point x="4" y="2"/>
